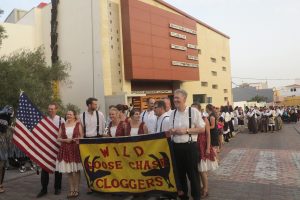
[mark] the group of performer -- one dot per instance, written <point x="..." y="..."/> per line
<point x="197" y="135"/>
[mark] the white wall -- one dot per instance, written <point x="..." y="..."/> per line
<point x="15" y="40"/>
<point x="79" y="44"/>
<point x="286" y="92"/>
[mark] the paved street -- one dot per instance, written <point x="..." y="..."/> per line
<point x="262" y="166"/>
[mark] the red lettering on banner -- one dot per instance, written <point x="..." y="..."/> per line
<point x="146" y="165"/>
<point x="141" y="184"/>
<point x="124" y="152"/>
<point x="159" y="181"/>
<point x="116" y="151"/>
<point x="109" y="165"/>
<point x="154" y="164"/>
<point x="99" y="183"/>
<point x="124" y="185"/>
<point x="139" y="151"/>
<point x="119" y="165"/>
<point x="132" y="184"/>
<point x="105" y="152"/>
<point x="139" y="164"/>
<point x="106" y="186"/>
<point x="131" y="165"/>
<point x="150" y="183"/>
<point x="115" y="183"/>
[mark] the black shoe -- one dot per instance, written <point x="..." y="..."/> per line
<point x="57" y="191"/>
<point x="41" y="194"/>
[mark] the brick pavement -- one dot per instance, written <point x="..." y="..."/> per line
<point x="263" y="166"/>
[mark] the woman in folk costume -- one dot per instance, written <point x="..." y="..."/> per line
<point x="230" y="122"/>
<point x="116" y="127"/>
<point x="135" y="126"/>
<point x="278" y="120"/>
<point x="241" y="119"/>
<point x="264" y="120"/>
<point x="207" y="155"/>
<point x="227" y="117"/>
<point x="252" y="120"/>
<point x="271" y="114"/>
<point x="258" y="117"/>
<point x="235" y="116"/>
<point x="68" y="158"/>
<point x="123" y="112"/>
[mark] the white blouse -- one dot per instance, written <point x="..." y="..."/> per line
<point x="69" y="132"/>
<point x="113" y="130"/>
<point x="134" y="131"/>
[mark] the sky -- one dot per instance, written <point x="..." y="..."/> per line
<point x="264" y="34"/>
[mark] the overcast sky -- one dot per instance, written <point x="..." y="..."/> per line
<point x="265" y="34"/>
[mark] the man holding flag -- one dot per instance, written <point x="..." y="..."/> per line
<point x="57" y="121"/>
<point x="36" y="135"/>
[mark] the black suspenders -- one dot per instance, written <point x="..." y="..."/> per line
<point x="162" y="121"/>
<point x="59" y="123"/>
<point x="97" y="115"/>
<point x="84" y="125"/>
<point x="190" y="122"/>
<point x="143" y="115"/>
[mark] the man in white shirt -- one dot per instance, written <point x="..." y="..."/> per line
<point x="148" y="116"/>
<point x="168" y="105"/>
<point x="162" y="123"/>
<point x="92" y="120"/>
<point x="185" y="125"/>
<point x="57" y="121"/>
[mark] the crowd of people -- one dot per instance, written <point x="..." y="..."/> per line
<point x="197" y="135"/>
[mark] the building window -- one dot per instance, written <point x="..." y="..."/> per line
<point x="293" y="89"/>
<point x="225" y="91"/>
<point x="213" y="60"/>
<point x="112" y="46"/>
<point x="225" y="98"/>
<point x="204" y="84"/>
<point x="209" y="100"/>
<point x="224" y="69"/>
<point x="214" y="86"/>
<point x="224" y="58"/>
<point x="199" y="51"/>
<point x="214" y="73"/>
<point x="199" y="98"/>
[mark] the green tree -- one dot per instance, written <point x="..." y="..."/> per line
<point x="259" y="99"/>
<point x="28" y="71"/>
<point x="2" y="31"/>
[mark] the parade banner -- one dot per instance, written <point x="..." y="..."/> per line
<point x="138" y="164"/>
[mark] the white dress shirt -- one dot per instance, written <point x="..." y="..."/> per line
<point x="91" y="123"/>
<point x="163" y="122"/>
<point x="55" y="120"/>
<point x="182" y="121"/>
<point x="149" y="119"/>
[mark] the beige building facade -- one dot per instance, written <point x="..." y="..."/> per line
<point x="91" y="40"/>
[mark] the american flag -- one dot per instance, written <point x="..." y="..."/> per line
<point x="36" y="135"/>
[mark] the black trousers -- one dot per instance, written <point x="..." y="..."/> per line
<point x="187" y="158"/>
<point x="45" y="180"/>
